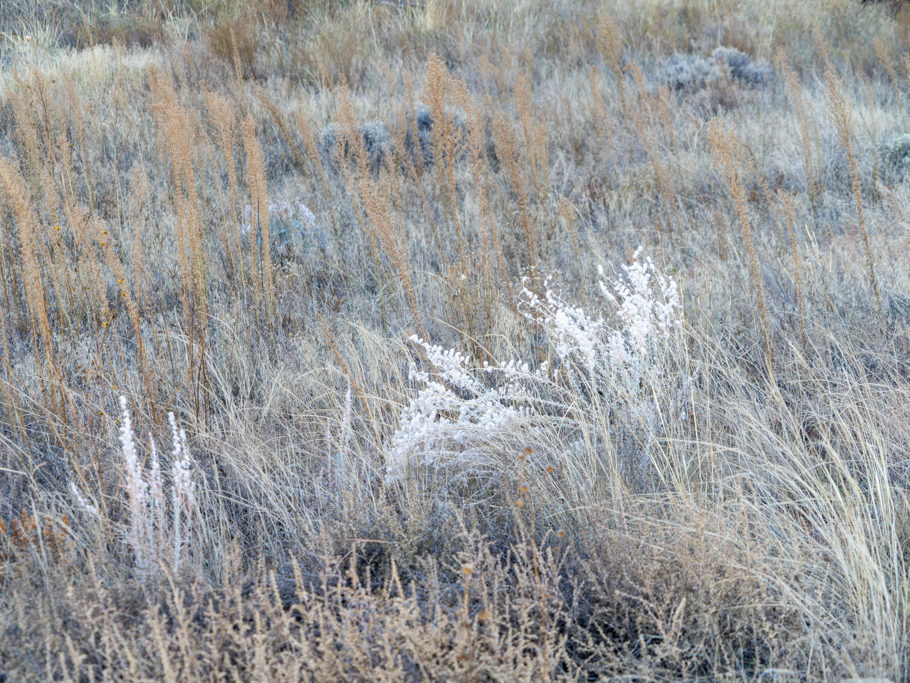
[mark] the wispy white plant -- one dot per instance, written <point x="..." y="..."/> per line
<point x="442" y="423"/>
<point x="184" y="487"/>
<point x="156" y="494"/>
<point x="650" y="315"/>
<point x="136" y="488"/>
<point x="344" y="437"/>
<point x="145" y="495"/>
<point x="647" y="306"/>
<point x="83" y="503"/>
<point x="463" y="418"/>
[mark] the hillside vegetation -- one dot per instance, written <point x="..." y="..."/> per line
<point x="454" y="340"/>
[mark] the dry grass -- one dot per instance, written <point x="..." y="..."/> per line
<point x="242" y="216"/>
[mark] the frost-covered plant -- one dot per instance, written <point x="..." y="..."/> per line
<point x="344" y="435"/>
<point x="293" y="229"/>
<point x="613" y="370"/>
<point x="742" y="67"/>
<point x="694" y="72"/>
<point x="688" y="72"/>
<point x="83" y="503"/>
<point x="156" y="492"/>
<point x="139" y="535"/>
<point x="897" y="155"/>
<point x="455" y="417"/>
<point x="647" y="306"/>
<point x="146" y="531"/>
<point x="184" y="487"/>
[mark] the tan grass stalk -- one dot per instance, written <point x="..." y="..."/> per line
<point x="100" y="239"/>
<point x="883" y="57"/>
<point x="259" y="200"/>
<point x="236" y="61"/>
<point x="52" y="249"/>
<point x="476" y="141"/>
<point x="814" y="187"/>
<point x="175" y="124"/>
<point x="27" y="135"/>
<point x="379" y="215"/>
<point x="350" y="139"/>
<point x="754" y="166"/>
<point x="540" y="137"/>
<point x="37" y="87"/>
<point x="787" y="201"/>
<point x="126" y="295"/>
<point x="841" y="114"/>
<point x="309" y="143"/>
<point x="16" y="192"/>
<point x="75" y="108"/>
<point x="222" y="117"/>
<point x="14" y="186"/>
<point x="610" y="44"/>
<point x="727" y="151"/>
<point x="660" y="174"/>
<point x="507" y="150"/>
<point x="269" y="105"/>
<point x="436" y="89"/>
<point x="139" y="200"/>
<point x="524" y="104"/>
<point x="180" y="140"/>
<point x="87" y="277"/>
<point x="401" y="154"/>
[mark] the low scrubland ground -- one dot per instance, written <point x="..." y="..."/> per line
<point x="456" y="340"/>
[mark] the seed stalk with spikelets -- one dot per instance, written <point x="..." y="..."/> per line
<point x="13" y="185"/>
<point x="507" y="149"/>
<point x="222" y="116"/>
<point x="813" y="182"/>
<point x="787" y="202"/>
<point x="259" y="237"/>
<point x="728" y="157"/>
<point x="437" y="92"/>
<point x="174" y="122"/>
<point x="840" y="111"/>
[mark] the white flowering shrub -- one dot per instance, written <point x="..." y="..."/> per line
<point x="456" y="416"/>
<point x="148" y="530"/>
<point x="614" y="369"/>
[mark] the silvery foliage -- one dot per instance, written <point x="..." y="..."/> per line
<point x="694" y="72"/>
<point x="617" y="373"/>
<point x="897" y="157"/>
<point x="293" y="230"/>
<point x="379" y="143"/>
